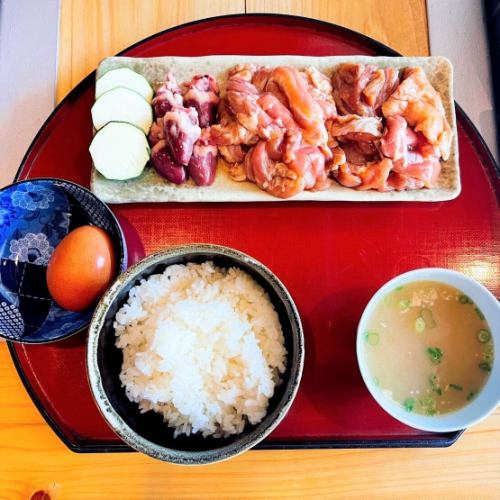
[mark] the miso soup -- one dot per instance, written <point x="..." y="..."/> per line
<point x="428" y="347"/>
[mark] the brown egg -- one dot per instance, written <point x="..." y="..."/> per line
<point x="81" y="268"/>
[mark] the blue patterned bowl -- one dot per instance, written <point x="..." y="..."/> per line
<point x="35" y="215"/>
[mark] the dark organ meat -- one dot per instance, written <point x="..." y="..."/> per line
<point x="165" y="165"/>
<point x="202" y="94"/>
<point x="180" y="130"/>
<point x="167" y="96"/>
<point x="203" y="163"/>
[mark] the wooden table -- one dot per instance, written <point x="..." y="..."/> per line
<point x="33" y="461"/>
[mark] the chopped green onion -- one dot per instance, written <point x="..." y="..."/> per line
<point x="435" y="354"/>
<point x="488" y="353"/>
<point x="372" y="338"/>
<point x="483" y="336"/>
<point x="479" y="313"/>
<point x="434" y="385"/>
<point x="471" y="395"/>
<point x="404" y="304"/>
<point x="429" y="405"/>
<point x="399" y="288"/>
<point x="409" y="404"/>
<point x="463" y="299"/>
<point x="419" y="324"/>
<point x="427" y="316"/>
<point x="376" y="381"/>
<point x="456" y="387"/>
<point x="486" y="367"/>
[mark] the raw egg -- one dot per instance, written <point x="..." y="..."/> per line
<point x="81" y="268"/>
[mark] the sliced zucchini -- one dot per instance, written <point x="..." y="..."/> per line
<point x="123" y="77"/>
<point x="122" y="105"/>
<point x="119" y="151"/>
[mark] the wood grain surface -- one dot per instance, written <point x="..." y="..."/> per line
<point x="401" y="24"/>
<point x="91" y="30"/>
<point x="32" y="458"/>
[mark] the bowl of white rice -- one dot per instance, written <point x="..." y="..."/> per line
<point x="195" y="354"/>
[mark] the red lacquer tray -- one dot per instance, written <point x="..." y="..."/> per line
<point x="331" y="256"/>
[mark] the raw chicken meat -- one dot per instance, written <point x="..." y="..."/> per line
<point x="305" y="110"/>
<point x="420" y="105"/>
<point x="228" y="131"/>
<point x="289" y="130"/>
<point x="233" y="153"/>
<point x="394" y="142"/>
<point x="283" y="112"/>
<point x="356" y="128"/>
<point x="321" y="90"/>
<point x="361" y="89"/>
<point x="416" y="134"/>
<point x="242" y="98"/>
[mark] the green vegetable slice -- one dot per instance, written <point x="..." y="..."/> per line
<point x="427" y="316"/>
<point x="479" y="313"/>
<point x="434" y="354"/>
<point x="404" y="304"/>
<point x="399" y="288"/>
<point x="483" y="336"/>
<point x="433" y="382"/>
<point x="429" y="406"/>
<point x="372" y="338"/>
<point x="456" y="387"/>
<point x="463" y="299"/>
<point x="471" y="395"/>
<point x="409" y="404"/>
<point x="488" y="353"/>
<point x="419" y="324"/>
<point x="486" y="367"/>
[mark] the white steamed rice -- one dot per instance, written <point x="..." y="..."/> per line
<point x="202" y="346"/>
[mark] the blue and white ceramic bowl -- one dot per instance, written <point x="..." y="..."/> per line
<point x="35" y="215"/>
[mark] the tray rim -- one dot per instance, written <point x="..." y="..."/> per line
<point x="441" y="441"/>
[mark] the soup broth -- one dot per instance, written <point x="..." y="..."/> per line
<point x="428" y="347"/>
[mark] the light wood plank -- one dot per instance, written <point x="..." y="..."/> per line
<point x="91" y="30"/>
<point x="32" y="458"/>
<point x="401" y="24"/>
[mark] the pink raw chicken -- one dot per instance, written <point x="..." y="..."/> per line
<point x="420" y="105"/>
<point x="285" y="111"/>
<point x="404" y="156"/>
<point x="289" y="130"/>
<point x="361" y="89"/>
